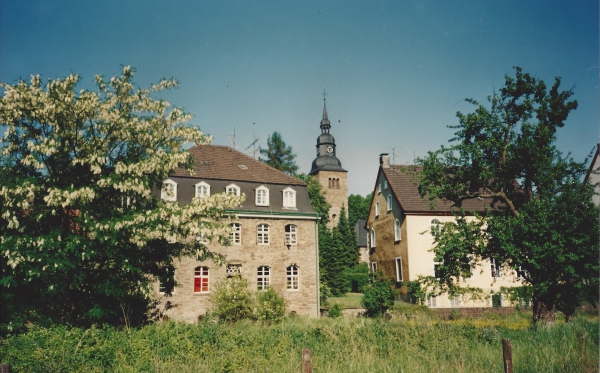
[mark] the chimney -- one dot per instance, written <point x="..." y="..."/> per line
<point x="384" y="160"/>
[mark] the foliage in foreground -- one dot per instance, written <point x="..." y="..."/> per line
<point x="234" y="301"/>
<point x="82" y="236"/>
<point x="338" y="345"/>
<point x="542" y="222"/>
<point x="378" y="296"/>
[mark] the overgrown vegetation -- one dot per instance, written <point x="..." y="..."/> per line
<point x="423" y="343"/>
<point x="234" y="301"/>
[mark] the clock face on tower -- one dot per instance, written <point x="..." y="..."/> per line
<point x="330" y="149"/>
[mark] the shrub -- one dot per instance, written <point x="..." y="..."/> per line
<point x="232" y="299"/>
<point x="335" y="311"/>
<point x="378" y="296"/>
<point x="324" y="293"/>
<point x="269" y="305"/>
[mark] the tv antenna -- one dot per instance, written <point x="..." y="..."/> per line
<point x="232" y="138"/>
<point x="253" y="143"/>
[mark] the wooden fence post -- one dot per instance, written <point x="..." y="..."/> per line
<point x="5" y="368"/>
<point x="306" y="360"/>
<point x="507" y="352"/>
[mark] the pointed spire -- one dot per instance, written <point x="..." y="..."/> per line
<point x="325" y="120"/>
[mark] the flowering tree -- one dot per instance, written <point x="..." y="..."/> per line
<point x="82" y="236"/>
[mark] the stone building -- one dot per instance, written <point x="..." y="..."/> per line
<point x="274" y="242"/>
<point x="327" y="169"/>
<point x="400" y="225"/>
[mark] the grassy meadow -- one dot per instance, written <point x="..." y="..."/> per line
<point x="414" y="340"/>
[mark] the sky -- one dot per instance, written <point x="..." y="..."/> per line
<point x="396" y="72"/>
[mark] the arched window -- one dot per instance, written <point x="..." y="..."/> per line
<point x="435" y="227"/>
<point x="377" y="209"/>
<point x="389" y="202"/>
<point x="236" y="234"/>
<point x="293" y="277"/>
<point x="202" y="190"/>
<point x="289" y="198"/>
<point x="262" y="233"/>
<point x="290" y="234"/>
<point x="201" y="280"/>
<point x="397" y="232"/>
<point x="263" y="277"/>
<point x="232" y="189"/>
<point x="372" y="238"/>
<point x="169" y="190"/>
<point x="262" y="196"/>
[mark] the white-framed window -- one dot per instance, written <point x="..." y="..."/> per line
<point x="232" y="189"/>
<point x="435" y="226"/>
<point x="373" y="267"/>
<point x="169" y="190"/>
<point x="291" y="237"/>
<point x="293" y="277"/>
<point x="496" y="269"/>
<point x="263" y="277"/>
<point x="432" y="301"/>
<point x="436" y="270"/>
<point x="289" y="198"/>
<point x="236" y="233"/>
<point x="397" y="230"/>
<point x="262" y="196"/>
<point x="379" y="188"/>
<point x="385" y="185"/>
<point x="201" y="279"/>
<point x="520" y="273"/>
<point x="455" y="301"/>
<point x="377" y="209"/>
<point x="202" y="189"/>
<point x="262" y="234"/>
<point x="398" y="262"/>
<point x="389" y="202"/>
<point x="372" y="238"/>
<point x="162" y="288"/>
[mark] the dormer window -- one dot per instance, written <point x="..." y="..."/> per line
<point x="233" y="189"/>
<point x="202" y="190"/>
<point x="169" y="190"/>
<point x="262" y="196"/>
<point x="289" y="198"/>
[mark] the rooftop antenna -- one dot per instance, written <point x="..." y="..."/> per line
<point x="253" y="143"/>
<point x="232" y="137"/>
<point x="394" y="155"/>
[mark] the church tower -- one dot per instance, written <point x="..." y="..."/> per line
<point x="327" y="169"/>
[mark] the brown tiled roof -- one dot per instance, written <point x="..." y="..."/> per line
<point x="224" y="163"/>
<point x="405" y="189"/>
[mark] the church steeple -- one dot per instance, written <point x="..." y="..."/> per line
<point x="326" y="159"/>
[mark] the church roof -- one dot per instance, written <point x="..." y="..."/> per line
<point x="224" y="163"/>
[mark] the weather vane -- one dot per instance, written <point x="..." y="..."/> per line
<point x="324" y="93"/>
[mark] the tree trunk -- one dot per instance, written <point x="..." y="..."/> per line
<point x="543" y="308"/>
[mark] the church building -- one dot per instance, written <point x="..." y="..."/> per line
<point x="327" y="169"/>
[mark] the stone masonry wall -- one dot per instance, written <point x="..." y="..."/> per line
<point x="336" y="197"/>
<point x="250" y="255"/>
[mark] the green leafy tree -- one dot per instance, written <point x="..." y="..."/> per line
<point x="279" y="155"/>
<point x="542" y="222"/>
<point x="378" y="296"/>
<point x="358" y="207"/>
<point x="82" y="236"/>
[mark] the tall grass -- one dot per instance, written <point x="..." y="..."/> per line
<point x="420" y="344"/>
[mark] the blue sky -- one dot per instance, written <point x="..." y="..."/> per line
<point x="396" y="71"/>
